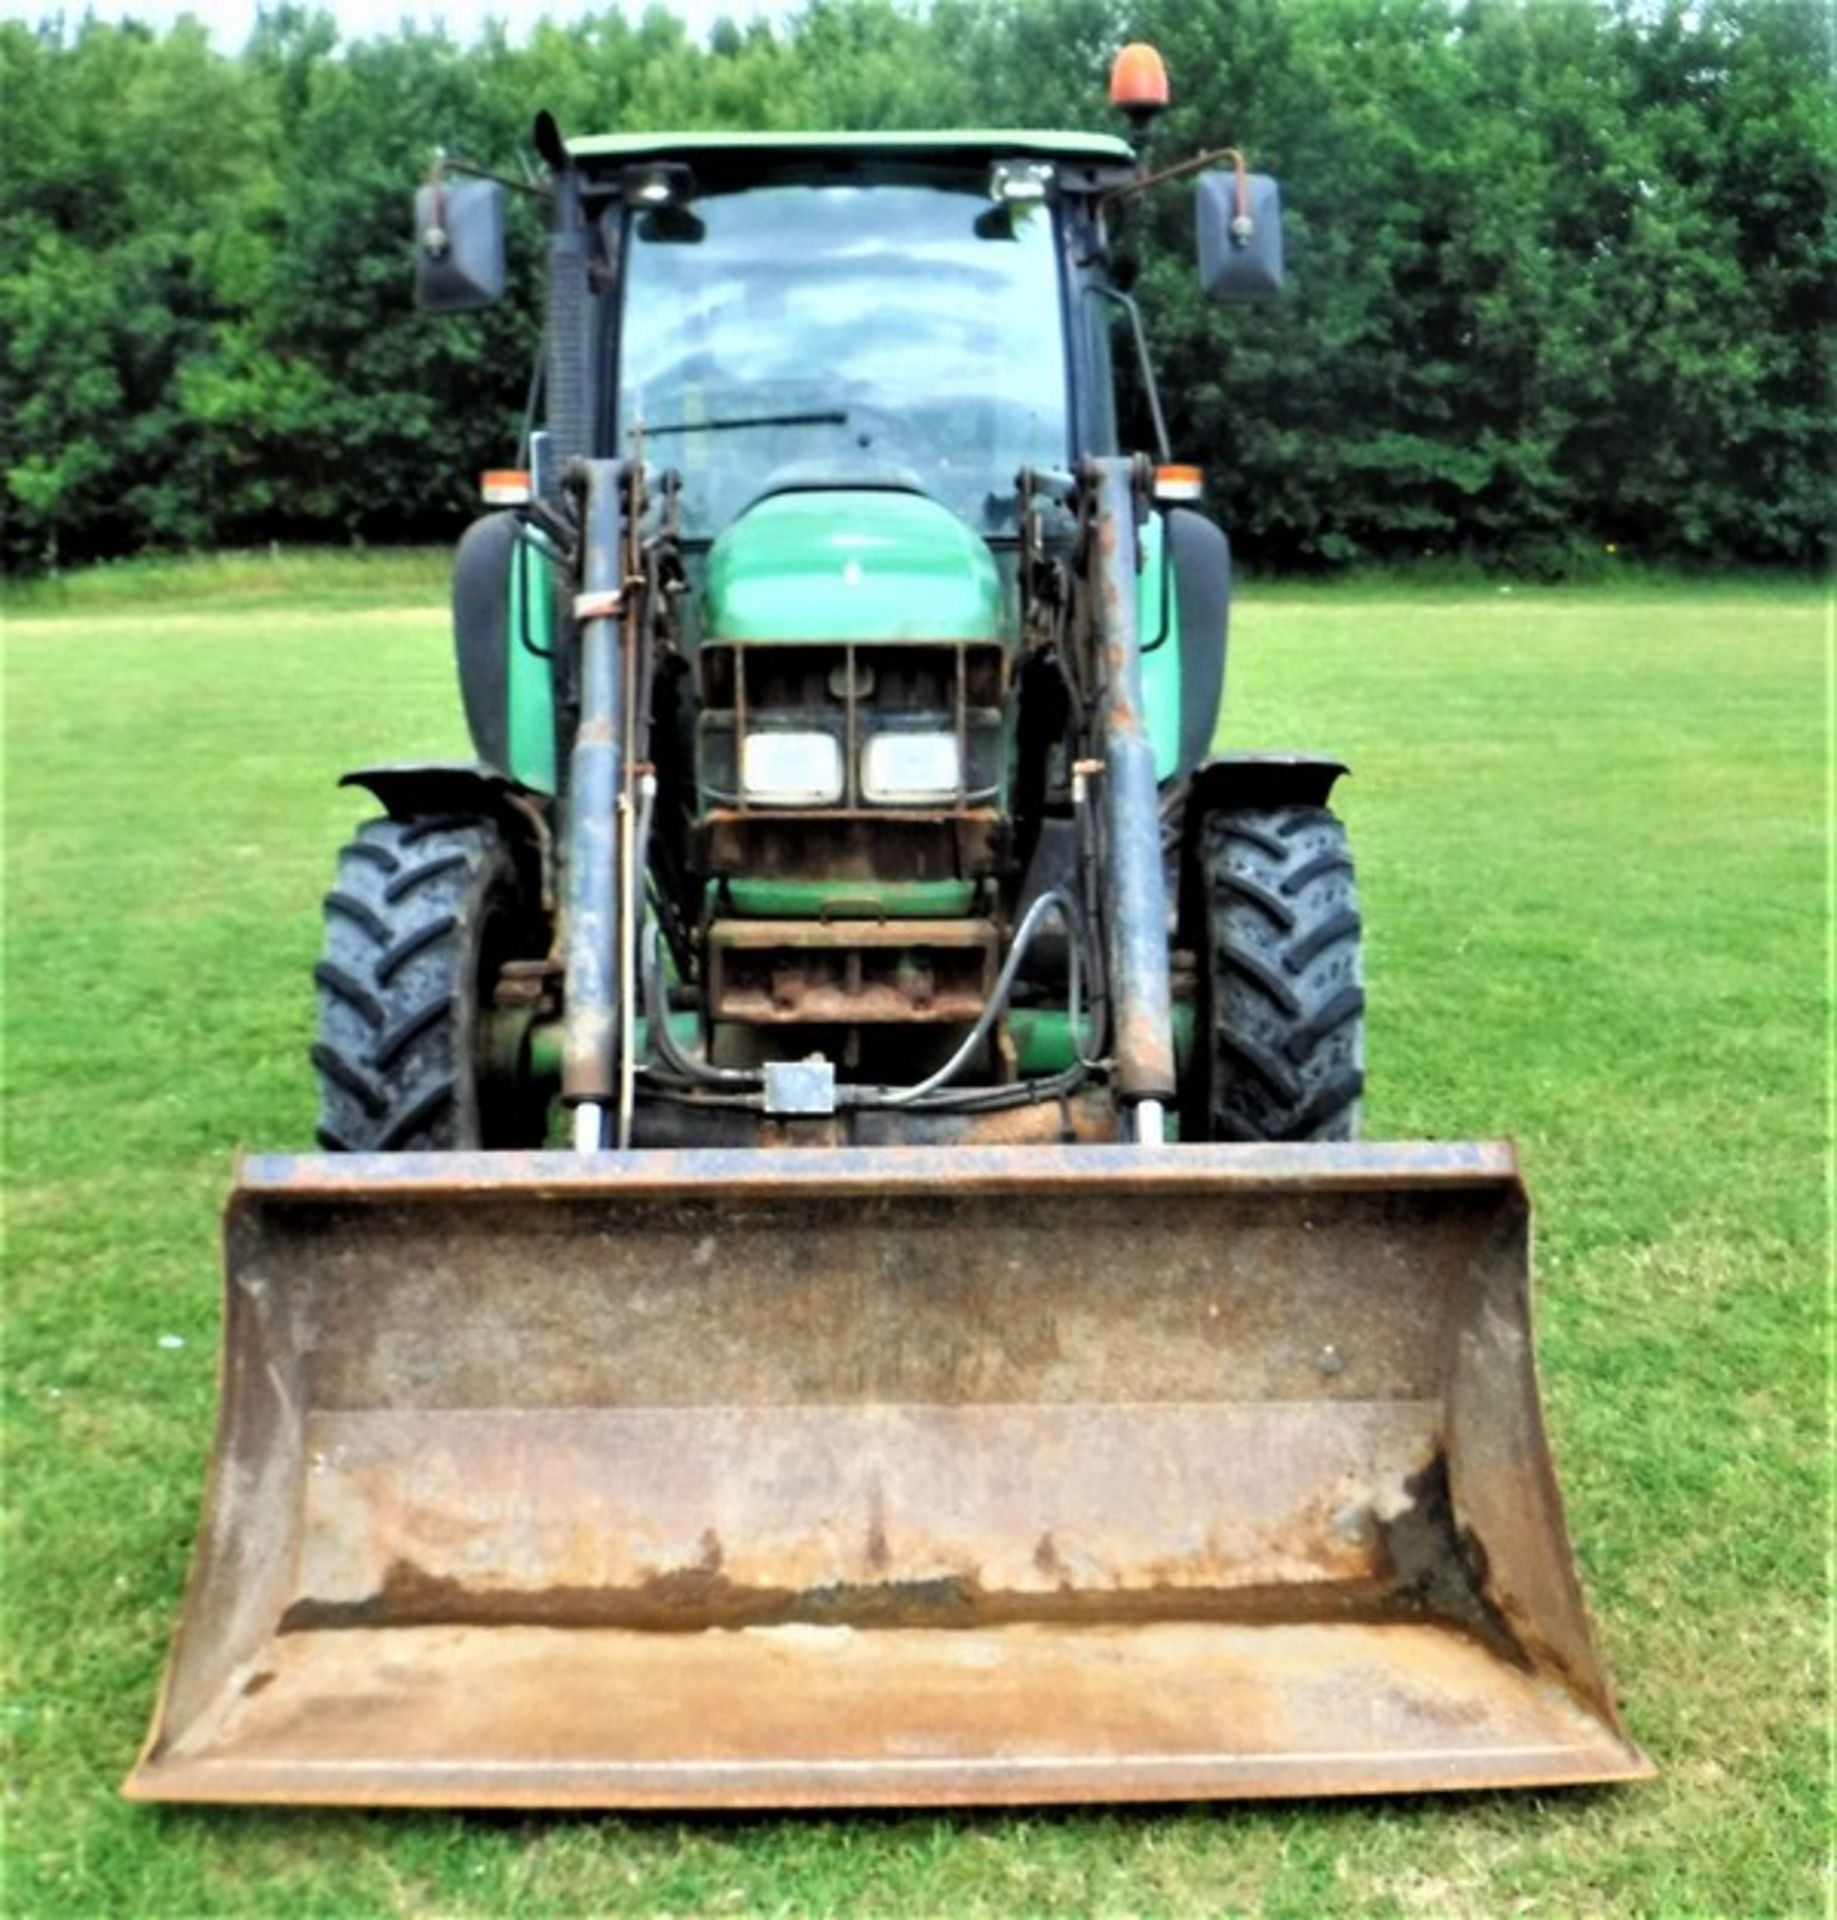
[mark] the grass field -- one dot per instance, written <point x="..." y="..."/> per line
<point x="1593" y="835"/>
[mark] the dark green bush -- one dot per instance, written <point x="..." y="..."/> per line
<point x="1558" y="268"/>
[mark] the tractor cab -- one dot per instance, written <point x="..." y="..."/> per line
<point x="844" y="322"/>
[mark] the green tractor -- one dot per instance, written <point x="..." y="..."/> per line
<point x="894" y="650"/>
<point x="841" y="1270"/>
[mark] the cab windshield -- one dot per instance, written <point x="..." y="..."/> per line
<point x="845" y="336"/>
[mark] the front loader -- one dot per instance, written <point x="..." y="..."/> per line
<point x="841" y="1269"/>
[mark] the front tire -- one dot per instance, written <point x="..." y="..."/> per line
<point x="419" y="924"/>
<point x="1280" y="1049"/>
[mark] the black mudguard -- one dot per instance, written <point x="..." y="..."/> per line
<point x="1230" y="781"/>
<point x="1200" y="556"/>
<point x="1262" y="780"/>
<point x="481" y="630"/>
<point x="426" y="789"/>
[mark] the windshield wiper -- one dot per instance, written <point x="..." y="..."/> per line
<point x="829" y="417"/>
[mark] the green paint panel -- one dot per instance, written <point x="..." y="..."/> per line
<point x="861" y="565"/>
<point x="532" y="684"/>
<point x="1042" y="1039"/>
<point x="1186" y="1024"/>
<point x="1043" y="1042"/>
<point x="812" y="899"/>
<point x="1154" y="602"/>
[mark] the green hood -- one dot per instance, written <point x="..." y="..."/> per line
<point x="859" y="564"/>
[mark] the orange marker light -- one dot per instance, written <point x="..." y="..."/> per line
<point x="1179" y="483"/>
<point x="505" y="487"/>
<point x="1138" y="79"/>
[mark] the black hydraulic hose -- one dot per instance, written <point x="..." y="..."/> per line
<point x="1145" y="363"/>
<point x="1054" y="901"/>
<point x="657" y="1017"/>
<point x="1019" y="1093"/>
<point x="929" y="1095"/>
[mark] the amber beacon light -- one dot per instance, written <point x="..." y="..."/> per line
<point x="1138" y="84"/>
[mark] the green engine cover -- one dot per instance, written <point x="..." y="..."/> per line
<point x="861" y="564"/>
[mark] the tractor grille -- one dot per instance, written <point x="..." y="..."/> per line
<point x="908" y="727"/>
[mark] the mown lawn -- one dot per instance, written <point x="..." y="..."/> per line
<point x="1593" y="835"/>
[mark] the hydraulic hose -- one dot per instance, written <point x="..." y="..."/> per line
<point x="657" y="1020"/>
<point x="1054" y="900"/>
<point x="929" y="1095"/>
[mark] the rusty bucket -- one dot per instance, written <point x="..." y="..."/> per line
<point x="882" y="1477"/>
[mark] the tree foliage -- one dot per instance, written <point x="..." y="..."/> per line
<point x="1558" y="267"/>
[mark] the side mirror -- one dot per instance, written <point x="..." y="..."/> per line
<point x="459" y="245"/>
<point x="1240" y="236"/>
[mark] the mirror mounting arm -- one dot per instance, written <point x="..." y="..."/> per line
<point x="445" y="163"/>
<point x="1197" y="164"/>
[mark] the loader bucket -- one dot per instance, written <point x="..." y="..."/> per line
<point x="904" y="1476"/>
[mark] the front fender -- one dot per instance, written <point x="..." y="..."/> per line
<point x="1232" y="781"/>
<point x="426" y="789"/>
<point x="1262" y="780"/>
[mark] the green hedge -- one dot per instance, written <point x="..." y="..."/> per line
<point x="1558" y="269"/>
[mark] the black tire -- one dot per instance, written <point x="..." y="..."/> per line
<point x="1280" y="1053"/>
<point x="422" y="917"/>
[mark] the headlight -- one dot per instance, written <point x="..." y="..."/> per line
<point x="898" y="767"/>
<point x="791" y="769"/>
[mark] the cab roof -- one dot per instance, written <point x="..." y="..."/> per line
<point x="962" y="145"/>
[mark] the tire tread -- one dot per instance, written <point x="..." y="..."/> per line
<point x="1282" y="1054"/>
<point x="394" y="1051"/>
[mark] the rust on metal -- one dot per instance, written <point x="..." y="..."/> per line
<point x="1087" y="1116"/>
<point x="1079" y="1119"/>
<point x="851" y="972"/>
<point x="1134" y="895"/>
<point x="872" y="846"/>
<point x="895" y="1475"/>
<point x="1325" y="1167"/>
